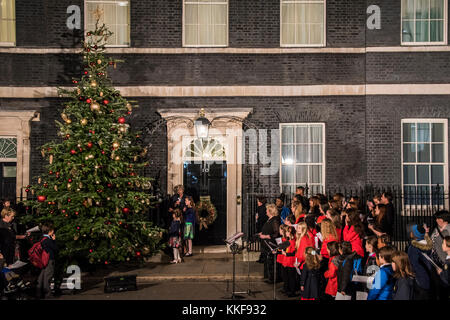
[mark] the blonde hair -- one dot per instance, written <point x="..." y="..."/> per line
<point x="272" y="209"/>
<point x="302" y="231"/>
<point x="8" y="212"/>
<point x="328" y="229"/>
<point x="312" y="258"/>
<point x="298" y="209"/>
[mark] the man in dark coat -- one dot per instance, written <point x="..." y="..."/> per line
<point x="386" y="199"/>
<point x="261" y="218"/>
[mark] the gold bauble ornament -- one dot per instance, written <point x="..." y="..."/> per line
<point x="68" y="121"/>
<point x="56" y="187"/>
<point x="93" y="83"/>
<point x="95" y="106"/>
<point x="64" y="116"/>
<point x="69" y="186"/>
<point x="39" y="180"/>
<point x="117" y="158"/>
<point x="101" y="94"/>
<point x="83" y="121"/>
<point x="99" y="61"/>
<point x="116" y="145"/>
<point x="129" y="107"/>
<point x="50" y="159"/>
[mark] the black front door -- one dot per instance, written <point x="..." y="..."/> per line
<point x="8" y="181"/>
<point x="208" y="179"/>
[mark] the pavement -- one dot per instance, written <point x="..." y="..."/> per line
<point x="207" y="275"/>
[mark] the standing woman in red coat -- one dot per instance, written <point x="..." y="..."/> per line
<point x="354" y="231"/>
<point x="303" y="241"/>
<point x="331" y="273"/>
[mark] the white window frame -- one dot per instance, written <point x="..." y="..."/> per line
<point x="86" y="13"/>
<point x="323" y="164"/>
<point x="9" y="159"/>
<point x="11" y="44"/>
<point x="410" y="208"/>
<point x="202" y="45"/>
<point x="324" y="44"/>
<point x="433" y="43"/>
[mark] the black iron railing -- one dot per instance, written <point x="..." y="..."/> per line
<point x="413" y="205"/>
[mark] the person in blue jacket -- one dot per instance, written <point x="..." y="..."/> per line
<point x="383" y="284"/>
<point x="283" y="210"/>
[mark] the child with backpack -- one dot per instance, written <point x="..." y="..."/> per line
<point x="349" y="264"/>
<point x="310" y="277"/>
<point x="47" y="257"/>
<point x="383" y="284"/>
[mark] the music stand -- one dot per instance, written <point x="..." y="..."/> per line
<point x="234" y="247"/>
<point x="273" y="250"/>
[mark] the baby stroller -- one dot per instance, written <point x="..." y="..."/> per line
<point x="13" y="287"/>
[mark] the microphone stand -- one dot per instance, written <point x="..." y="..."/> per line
<point x="274" y="267"/>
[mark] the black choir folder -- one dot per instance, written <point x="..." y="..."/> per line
<point x="120" y="283"/>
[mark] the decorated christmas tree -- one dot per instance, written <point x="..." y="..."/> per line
<point x="92" y="190"/>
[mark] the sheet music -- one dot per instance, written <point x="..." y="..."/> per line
<point x="278" y="240"/>
<point x="431" y="261"/>
<point x="34" y="229"/>
<point x="16" y="265"/>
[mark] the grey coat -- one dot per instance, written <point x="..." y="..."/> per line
<point x="437" y="252"/>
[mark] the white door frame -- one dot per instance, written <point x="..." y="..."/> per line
<point x="232" y="133"/>
<point x="17" y="124"/>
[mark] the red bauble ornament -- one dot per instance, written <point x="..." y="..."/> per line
<point x="105" y="101"/>
<point x="86" y="72"/>
<point x="68" y="200"/>
<point x="90" y="250"/>
<point x="126" y="210"/>
<point x="50" y="172"/>
<point x="121" y="120"/>
<point x="103" y="152"/>
<point x="75" y="81"/>
<point x="73" y="152"/>
<point x="63" y="211"/>
<point x="76" y="212"/>
<point x="109" y="185"/>
<point x="27" y="190"/>
<point x="138" y="254"/>
<point x="70" y="180"/>
<point x="88" y="100"/>
<point x="90" y="144"/>
<point x="41" y="198"/>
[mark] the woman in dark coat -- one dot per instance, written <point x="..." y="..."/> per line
<point x="310" y="277"/>
<point x="269" y="232"/>
<point x="380" y="223"/>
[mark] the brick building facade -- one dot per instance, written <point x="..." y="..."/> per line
<point x="361" y="85"/>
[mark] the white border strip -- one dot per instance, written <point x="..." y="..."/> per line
<point x="247" y="91"/>
<point x="187" y="50"/>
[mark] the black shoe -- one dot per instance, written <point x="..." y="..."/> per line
<point x="269" y="281"/>
<point x="260" y="261"/>
<point x="188" y="255"/>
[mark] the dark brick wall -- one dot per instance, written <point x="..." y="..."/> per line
<point x="389" y="34"/>
<point x="191" y="69"/>
<point x="405" y="67"/>
<point x="383" y="138"/>
<point x="156" y="23"/>
<point x="346" y="23"/>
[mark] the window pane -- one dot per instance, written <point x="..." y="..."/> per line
<point x="423" y="174"/>
<point x="316" y="153"/>
<point x="423" y="132"/>
<point x="219" y="14"/>
<point x="408" y="31"/>
<point x="437" y="31"/>
<point x="288" y="189"/>
<point x="8" y="148"/>
<point x="287" y="155"/>
<point x="301" y="134"/>
<point x="316" y="34"/>
<point x="437" y="152"/>
<point x="409" y="153"/>
<point x="288" y="33"/>
<point x="423" y="152"/>
<point x="287" y="134"/>
<point x="301" y="13"/>
<point x="302" y="34"/>
<point x="315" y="174"/>
<point x="410" y="195"/>
<point x="422" y="31"/>
<point x="409" y="132"/>
<point x="437" y="175"/>
<point x="287" y="174"/>
<point x="191" y="34"/>
<point x="438" y="132"/>
<point x="423" y="195"/>
<point x="191" y="14"/>
<point x="301" y="174"/>
<point x="302" y="153"/>
<point x="409" y="175"/>
<point x="316" y="134"/>
<point x="315" y="13"/>
<point x="422" y="8"/>
<point x="288" y="13"/>
<point x="408" y="9"/>
<point x="437" y="9"/>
